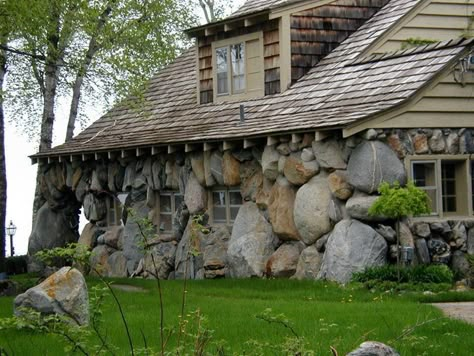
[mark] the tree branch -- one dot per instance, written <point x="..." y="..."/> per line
<point x="22" y="53"/>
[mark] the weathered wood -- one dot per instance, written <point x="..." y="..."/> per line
<point x="270" y="37"/>
<point x="272" y="88"/>
<point x="318" y="31"/>
<point x="271" y="50"/>
<point x="271" y="62"/>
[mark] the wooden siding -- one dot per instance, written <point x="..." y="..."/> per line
<point x="271" y="52"/>
<point x="318" y="31"/>
<point x="270" y="63"/>
<point x="439" y="20"/>
<point x="447" y="104"/>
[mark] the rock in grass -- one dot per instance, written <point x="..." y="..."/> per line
<point x="373" y="348"/>
<point x="351" y="247"/>
<point x="63" y="293"/>
<point x="251" y="244"/>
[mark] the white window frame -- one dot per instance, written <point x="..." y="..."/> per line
<point x="247" y="93"/>
<point x="465" y="159"/>
<point x="228" y="221"/>
<point x="115" y="206"/>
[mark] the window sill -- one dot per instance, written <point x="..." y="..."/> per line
<point x="444" y="218"/>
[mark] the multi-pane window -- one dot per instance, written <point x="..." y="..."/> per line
<point x="472" y="184"/>
<point x="115" y="209"/>
<point x="230" y="69"/>
<point x="169" y="202"/>
<point x="448" y="183"/>
<point x="424" y="176"/>
<point x="448" y="186"/>
<point x="225" y="205"/>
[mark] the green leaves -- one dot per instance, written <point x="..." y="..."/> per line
<point x="396" y="201"/>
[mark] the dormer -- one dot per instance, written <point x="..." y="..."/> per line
<point x="266" y="46"/>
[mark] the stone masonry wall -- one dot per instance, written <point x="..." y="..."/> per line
<point x="304" y="213"/>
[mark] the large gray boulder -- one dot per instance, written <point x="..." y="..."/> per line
<point x="202" y="255"/>
<point x="117" y="265"/>
<point x="251" y="244"/>
<point x="358" y="207"/>
<point x="51" y="229"/>
<point x="63" y="293"/>
<point x="309" y="263"/>
<point x="132" y="238"/>
<point x="215" y="252"/>
<point x="352" y="247"/>
<point x="373" y="348"/>
<point x="159" y="260"/>
<point x="372" y="163"/>
<point x="311" y="214"/>
<point x="216" y="167"/>
<point x="95" y="209"/>
<point x="195" y="196"/>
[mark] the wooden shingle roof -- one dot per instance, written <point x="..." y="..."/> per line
<point x="342" y="89"/>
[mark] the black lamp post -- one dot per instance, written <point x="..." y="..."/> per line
<point x="11" y="230"/>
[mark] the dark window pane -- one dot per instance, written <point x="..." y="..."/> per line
<point x="424" y="174"/>
<point x="448" y="182"/>
<point x="233" y="212"/>
<point x="219" y="214"/>
<point x="165" y="222"/>
<point x="165" y="203"/>
<point x="235" y="198"/>
<point x="218" y="198"/>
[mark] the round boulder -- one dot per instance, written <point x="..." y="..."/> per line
<point x="351" y="247"/>
<point x="372" y="163"/>
<point x="284" y="260"/>
<point x="63" y="293"/>
<point x="311" y="213"/>
<point x="251" y="244"/>
<point x="309" y="263"/>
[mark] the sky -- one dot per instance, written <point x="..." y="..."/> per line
<point x="21" y="174"/>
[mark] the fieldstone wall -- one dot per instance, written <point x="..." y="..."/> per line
<point x="304" y="212"/>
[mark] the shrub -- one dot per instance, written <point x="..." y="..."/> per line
<point x="414" y="275"/>
<point x="16" y="264"/>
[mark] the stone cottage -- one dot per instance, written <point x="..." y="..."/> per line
<point x="259" y="151"/>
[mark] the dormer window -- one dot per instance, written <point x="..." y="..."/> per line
<point x="238" y="67"/>
<point x="236" y="63"/>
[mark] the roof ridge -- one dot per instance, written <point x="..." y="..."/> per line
<point x="459" y="42"/>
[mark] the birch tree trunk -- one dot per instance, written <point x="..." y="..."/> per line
<point x="48" y="85"/>
<point x="82" y="72"/>
<point x="3" y="174"/>
<point x="51" y="74"/>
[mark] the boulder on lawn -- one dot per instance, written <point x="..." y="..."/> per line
<point x="63" y="293"/>
<point x="309" y="263"/>
<point x="352" y="247"/>
<point x="251" y="244"/>
<point x="283" y="262"/>
<point x="373" y="348"/>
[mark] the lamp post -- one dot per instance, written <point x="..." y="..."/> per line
<point x="11" y="230"/>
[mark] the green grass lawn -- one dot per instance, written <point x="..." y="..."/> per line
<point x="323" y="314"/>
